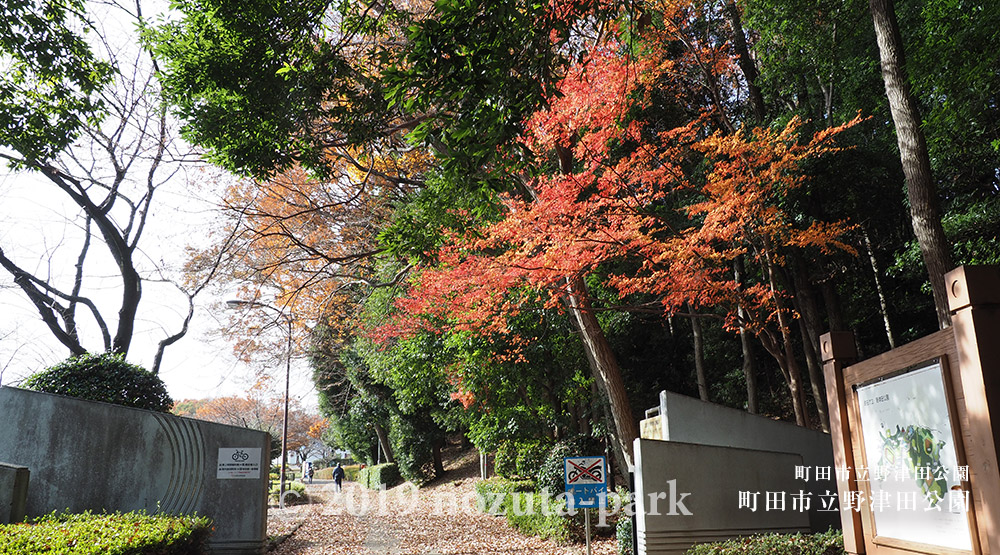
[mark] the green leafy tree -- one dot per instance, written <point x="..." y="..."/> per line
<point x="49" y="86"/>
<point x="266" y="84"/>
<point x="105" y="377"/>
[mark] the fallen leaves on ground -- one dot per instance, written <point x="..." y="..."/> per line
<point x="439" y="519"/>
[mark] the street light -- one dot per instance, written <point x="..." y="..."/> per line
<point x="234" y="303"/>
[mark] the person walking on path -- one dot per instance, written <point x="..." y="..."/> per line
<point x="338" y="476"/>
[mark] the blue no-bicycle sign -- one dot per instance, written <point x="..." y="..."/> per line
<point x="587" y="481"/>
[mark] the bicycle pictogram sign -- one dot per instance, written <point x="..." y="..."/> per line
<point x="240" y="455"/>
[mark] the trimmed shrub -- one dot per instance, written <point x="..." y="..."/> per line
<point x="134" y="533"/>
<point x="105" y="377"/>
<point x="827" y="543"/>
<point x="324" y="474"/>
<point x="350" y="473"/>
<point x="374" y="477"/>
<point x="487" y="492"/>
<point x="537" y="515"/>
<point x="295" y="493"/>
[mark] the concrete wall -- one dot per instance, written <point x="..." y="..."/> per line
<point x="713" y="478"/>
<point x="88" y="455"/>
<point x="689" y="420"/>
<point x="13" y="492"/>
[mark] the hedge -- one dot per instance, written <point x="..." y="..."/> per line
<point x="350" y="473"/>
<point x="134" y="533"/>
<point x="827" y="543"/>
<point x="487" y="491"/>
<point x="374" y="477"/>
<point x="324" y="474"/>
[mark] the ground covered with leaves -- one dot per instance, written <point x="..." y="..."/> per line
<point x="441" y="518"/>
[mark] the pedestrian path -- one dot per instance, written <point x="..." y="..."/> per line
<point x="441" y="519"/>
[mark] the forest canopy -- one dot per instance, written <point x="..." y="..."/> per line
<point x="520" y="220"/>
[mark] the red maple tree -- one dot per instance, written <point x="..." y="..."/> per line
<point x="678" y="202"/>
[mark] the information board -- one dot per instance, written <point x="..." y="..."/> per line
<point x="913" y="471"/>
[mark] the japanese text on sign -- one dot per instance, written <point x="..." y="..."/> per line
<point x="238" y="463"/>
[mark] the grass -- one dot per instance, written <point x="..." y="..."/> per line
<point x="134" y="533"/>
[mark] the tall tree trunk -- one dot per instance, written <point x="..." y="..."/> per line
<point x="833" y="310"/>
<point x="883" y="304"/>
<point x="438" y="459"/>
<point x="747" y="65"/>
<point x="810" y="327"/>
<point x="604" y="366"/>
<point x="920" y="188"/>
<point x="603" y="363"/>
<point x="749" y="368"/>
<point x="699" y="355"/>
<point x="383" y="440"/>
<point x="786" y="355"/>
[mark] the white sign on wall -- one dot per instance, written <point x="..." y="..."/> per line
<point x="238" y="463"/>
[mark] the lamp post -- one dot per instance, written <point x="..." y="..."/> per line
<point x="288" y="372"/>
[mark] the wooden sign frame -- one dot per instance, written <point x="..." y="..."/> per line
<point x="972" y="399"/>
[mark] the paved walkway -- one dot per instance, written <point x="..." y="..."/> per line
<point x="440" y="519"/>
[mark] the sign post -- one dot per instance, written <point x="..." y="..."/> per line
<point x="586" y="486"/>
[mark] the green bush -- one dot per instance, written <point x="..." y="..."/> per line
<point x="537" y="515"/>
<point x="623" y="533"/>
<point x="373" y="477"/>
<point x="827" y="543"/>
<point x="105" y="377"/>
<point x="488" y="490"/>
<point x="530" y="456"/>
<point x="133" y="533"/>
<point x="520" y="459"/>
<point x="528" y="511"/>
<point x="413" y="437"/>
<point x="550" y="473"/>
<point x="505" y="463"/>
<point x="295" y="492"/>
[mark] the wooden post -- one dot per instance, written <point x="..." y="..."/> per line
<point x="838" y="351"/>
<point x="974" y="301"/>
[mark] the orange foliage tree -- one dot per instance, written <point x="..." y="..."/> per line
<point x="626" y="183"/>
<point x="259" y="413"/>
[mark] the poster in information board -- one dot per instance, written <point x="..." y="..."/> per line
<point x="913" y="470"/>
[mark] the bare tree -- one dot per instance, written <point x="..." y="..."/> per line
<point x="110" y="175"/>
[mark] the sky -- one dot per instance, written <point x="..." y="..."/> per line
<point x="34" y="224"/>
<point x="40" y="230"/>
